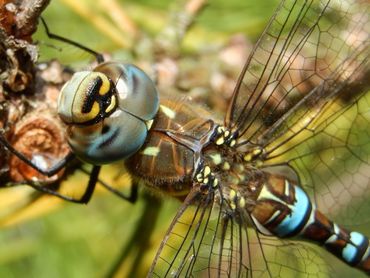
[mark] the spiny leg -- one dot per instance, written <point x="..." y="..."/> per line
<point x="93" y="179"/>
<point x="48" y="188"/>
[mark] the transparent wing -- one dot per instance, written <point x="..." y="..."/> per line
<point x="303" y="96"/>
<point x="208" y="239"/>
<point x="307" y="44"/>
<point x="332" y="155"/>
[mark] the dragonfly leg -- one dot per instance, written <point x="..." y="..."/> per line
<point x="52" y="188"/>
<point x="93" y="179"/>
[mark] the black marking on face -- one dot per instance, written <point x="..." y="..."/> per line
<point x="91" y="94"/>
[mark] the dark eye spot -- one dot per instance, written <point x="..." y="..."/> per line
<point x="106" y="129"/>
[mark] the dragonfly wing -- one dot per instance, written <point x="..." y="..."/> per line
<point x="307" y="44"/>
<point x="207" y="239"/>
<point x="303" y="96"/>
<point x="332" y="155"/>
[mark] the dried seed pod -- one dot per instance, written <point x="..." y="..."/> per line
<point x="40" y="137"/>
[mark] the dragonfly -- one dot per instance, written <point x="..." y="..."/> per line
<point x="288" y="165"/>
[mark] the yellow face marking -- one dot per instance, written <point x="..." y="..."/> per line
<point x="105" y="86"/>
<point x="205" y="181"/>
<point x="151" y="151"/>
<point x="94" y="111"/>
<point x="227" y="133"/>
<point x="79" y="117"/>
<point x="112" y="105"/>
<point x="81" y="95"/>
<point x="199" y="177"/>
<point x="168" y="111"/>
<point x="216" y="158"/>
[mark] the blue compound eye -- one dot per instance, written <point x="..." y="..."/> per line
<point x="108" y="111"/>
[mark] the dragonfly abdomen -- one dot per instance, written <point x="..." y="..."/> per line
<point x="350" y="246"/>
<point x="283" y="209"/>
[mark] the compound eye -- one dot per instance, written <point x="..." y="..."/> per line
<point x="108" y="111"/>
<point x="120" y="136"/>
<point x="87" y="98"/>
<point x="136" y="92"/>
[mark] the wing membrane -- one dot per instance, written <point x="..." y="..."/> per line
<point x="303" y="96"/>
<point x="207" y="239"/>
<point x="332" y="157"/>
<point x="302" y="48"/>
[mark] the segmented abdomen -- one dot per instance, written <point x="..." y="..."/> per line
<point x="283" y="209"/>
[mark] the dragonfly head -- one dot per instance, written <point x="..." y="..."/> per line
<point x="108" y="111"/>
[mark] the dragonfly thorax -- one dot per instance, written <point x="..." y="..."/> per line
<point x="173" y="150"/>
